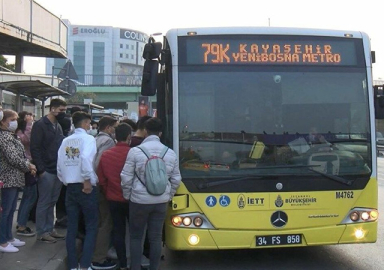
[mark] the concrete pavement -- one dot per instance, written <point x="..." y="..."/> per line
<point x="35" y="255"/>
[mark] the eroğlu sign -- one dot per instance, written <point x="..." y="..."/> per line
<point x="134" y="35"/>
<point x="89" y="30"/>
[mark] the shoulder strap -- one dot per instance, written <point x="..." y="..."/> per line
<point x="163" y="152"/>
<point x="144" y="151"/>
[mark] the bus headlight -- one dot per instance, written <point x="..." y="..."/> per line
<point x="191" y="220"/>
<point x="187" y="221"/>
<point x="176" y="221"/>
<point x="193" y="239"/>
<point x="358" y="215"/>
<point x="365" y="216"/>
<point x="198" y="221"/>
<point x="359" y="234"/>
<point x="374" y="214"/>
<point x="354" y="216"/>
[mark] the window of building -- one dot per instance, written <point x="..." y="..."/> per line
<point x="58" y="63"/>
<point x="127" y="46"/>
<point x="132" y="47"/>
<point x="121" y="55"/>
<point x="98" y="63"/>
<point x="132" y="56"/>
<point x="121" y="46"/>
<point x="79" y="59"/>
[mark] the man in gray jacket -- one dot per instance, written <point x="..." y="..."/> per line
<point x="104" y="141"/>
<point x="145" y="209"/>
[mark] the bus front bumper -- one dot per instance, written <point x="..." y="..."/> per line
<point x="200" y="239"/>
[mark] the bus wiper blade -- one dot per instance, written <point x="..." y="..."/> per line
<point x="334" y="177"/>
<point x="222" y="182"/>
<point x="285" y="167"/>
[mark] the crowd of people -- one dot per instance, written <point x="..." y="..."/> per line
<point x="95" y="175"/>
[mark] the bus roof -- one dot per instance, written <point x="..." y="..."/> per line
<point x="264" y="31"/>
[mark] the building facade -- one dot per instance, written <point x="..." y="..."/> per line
<point x="103" y="55"/>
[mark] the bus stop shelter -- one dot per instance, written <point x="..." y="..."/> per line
<point x="33" y="89"/>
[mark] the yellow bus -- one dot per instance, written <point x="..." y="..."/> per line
<point x="274" y="129"/>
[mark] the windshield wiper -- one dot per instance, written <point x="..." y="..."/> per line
<point x="255" y="177"/>
<point x="309" y="167"/>
<point x="333" y="177"/>
<point x="347" y="140"/>
<point x="222" y="182"/>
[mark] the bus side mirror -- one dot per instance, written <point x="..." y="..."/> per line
<point x="149" y="82"/>
<point x="152" y="50"/>
<point x="373" y="57"/>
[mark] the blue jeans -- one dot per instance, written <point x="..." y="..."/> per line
<point x="141" y="215"/>
<point x="120" y="215"/>
<point x="49" y="187"/>
<point x="76" y="200"/>
<point x="26" y="204"/>
<point x="8" y="203"/>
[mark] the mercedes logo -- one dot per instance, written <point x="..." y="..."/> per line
<point x="279" y="219"/>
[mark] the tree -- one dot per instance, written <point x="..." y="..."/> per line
<point x="79" y="97"/>
<point x="4" y="63"/>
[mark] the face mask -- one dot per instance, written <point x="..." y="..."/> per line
<point x="12" y="126"/>
<point x="92" y="132"/>
<point x="60" y="116"/>
<point x="1" y="115"/>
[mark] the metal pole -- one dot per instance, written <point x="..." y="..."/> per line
<point x="42" y="107"/>
<point x="53" y="70"/>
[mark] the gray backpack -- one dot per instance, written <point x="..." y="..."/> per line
<point x="156" y="178"/>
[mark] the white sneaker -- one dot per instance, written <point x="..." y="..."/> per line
<point x="9" y="248"/>
<point x="112" y="253"/>
<point x="17" y="243"/>
<point x="144" y="261"/>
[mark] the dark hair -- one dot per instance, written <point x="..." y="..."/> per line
<point x="153" y="126"/>
<point x="94" y="123"/>
<point x="141" y="122"/>
<point x="106" y="121"/>
<point x="75" y="109"/>
<point x="131" y="123"/>
<point x="21" y="123"/>
<point x="56" y="102"/>
<point x="79" y="117"/>
<point x="122" y="132"/>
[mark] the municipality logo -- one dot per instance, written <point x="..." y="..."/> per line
<point x="241" y="201"/>
<point x="279" y="201"/>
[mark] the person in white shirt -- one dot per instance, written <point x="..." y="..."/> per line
<point x="75" y="169"/>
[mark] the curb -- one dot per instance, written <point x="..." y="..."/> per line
<point x="58" y="262"/>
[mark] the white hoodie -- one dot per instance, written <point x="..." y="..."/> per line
<point x="75" y="158"/>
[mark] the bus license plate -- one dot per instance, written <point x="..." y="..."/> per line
<point x="277" y="240"/>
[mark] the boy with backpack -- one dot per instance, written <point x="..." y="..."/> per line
<point x="149" y="180"/>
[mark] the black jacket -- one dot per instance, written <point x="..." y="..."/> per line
<point x="45" y="143"/>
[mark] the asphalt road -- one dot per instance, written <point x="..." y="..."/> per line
<point x="359" y="257"/>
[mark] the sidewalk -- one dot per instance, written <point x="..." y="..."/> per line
<point x="35" y="255"/>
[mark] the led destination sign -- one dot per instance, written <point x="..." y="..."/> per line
<point x="256" y="51"/>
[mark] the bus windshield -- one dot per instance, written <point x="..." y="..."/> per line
<point x="235" y="120"/>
